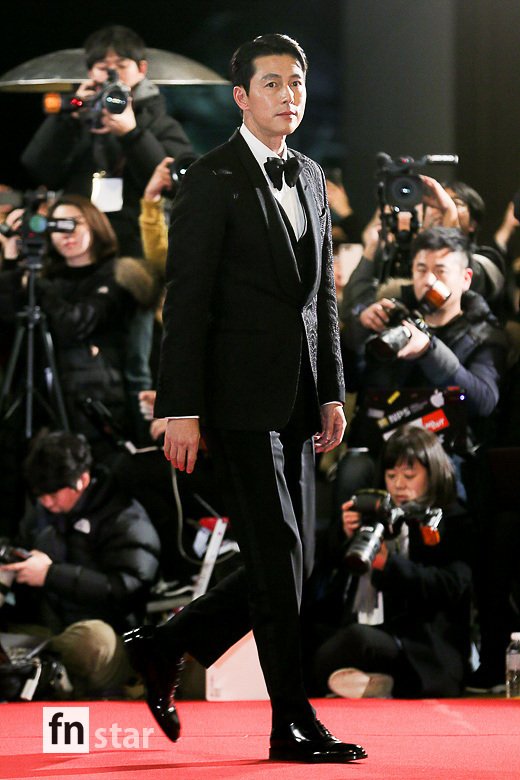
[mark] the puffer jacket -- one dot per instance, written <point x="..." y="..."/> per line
<point x="63" y="154"/>
<point x="105" y="555"/>
<point x="90" y="311"/>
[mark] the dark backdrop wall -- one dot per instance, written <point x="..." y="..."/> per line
<point x="488" y="100"/>
<point x="426" y="76"/>
<point x="401" y="76"/>
<point x="205" y="30"/>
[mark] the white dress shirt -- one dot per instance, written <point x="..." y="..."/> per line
<point x="287" y="197"/>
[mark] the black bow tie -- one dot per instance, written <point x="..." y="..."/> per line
<point x="276" y="167"/>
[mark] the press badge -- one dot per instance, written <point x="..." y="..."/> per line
<point x="107" y="192"/>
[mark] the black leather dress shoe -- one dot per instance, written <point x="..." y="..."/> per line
<point x="313" y="745"/>
<point x="161" y="677"/>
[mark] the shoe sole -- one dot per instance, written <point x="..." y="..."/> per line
<point x="275" y="755"/>
<point x="354" y="684"/>
<point x="494" y="689"/>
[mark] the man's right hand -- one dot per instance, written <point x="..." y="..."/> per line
<point x="351" y="520"/>
<point x="181" y="443"/>
<point x="86" y="91"/>
<point x="375" y="317"/>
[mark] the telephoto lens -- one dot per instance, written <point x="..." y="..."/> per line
<point x="375" y="507"/>
<point x="364" y="547"/>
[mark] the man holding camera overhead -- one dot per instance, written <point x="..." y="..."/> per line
<point x="118" y="155"/>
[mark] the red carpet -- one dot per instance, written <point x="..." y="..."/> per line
<point x="474" y="739"/>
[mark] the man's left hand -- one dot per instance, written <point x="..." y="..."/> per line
<point x="333" y="428"/>
<point x="33" y="570"/>
<point x="416" y="346"/>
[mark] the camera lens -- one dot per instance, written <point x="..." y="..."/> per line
<point x="115" y="100"/>
<point x="404" y="191"/>
<point x="364" y="547"/>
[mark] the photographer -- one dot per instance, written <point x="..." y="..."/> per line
<point x="66" y="152"/>
<point x="90" y="297"/>
<point x="453" y="205"/>
<point x="404" y="626"/>
<point x="94" y="556"/>
<point x="461" y="343"/>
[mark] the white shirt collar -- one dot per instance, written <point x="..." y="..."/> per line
<point x="287" y="196"/>
<point x="259" y="150"/>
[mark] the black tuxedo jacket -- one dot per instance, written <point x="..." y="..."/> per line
<point x="237" y="313"/>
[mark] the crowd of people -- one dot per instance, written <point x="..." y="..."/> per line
<point x="431" y="367"/>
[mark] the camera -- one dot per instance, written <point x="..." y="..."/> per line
<point x="385" y="345"/>
<point x="35" y="227"/>
<point x="401" y="185"/>
<point x="9" y="554"/>
<point x="400" y="189"/>
<point x="180" y="165"/>
<point x="382" y="519"/>
<point x="39" y="224"/>
<point x="112" y="95"/>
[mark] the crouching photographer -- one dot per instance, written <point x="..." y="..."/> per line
<point x="405" y="624"/>
<point x="89" y="558"/>
<point x="452" y="341"/>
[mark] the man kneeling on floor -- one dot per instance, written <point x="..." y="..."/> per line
<point x="94" y="554"/>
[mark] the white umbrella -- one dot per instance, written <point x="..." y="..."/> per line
<point x="62" y="69"/>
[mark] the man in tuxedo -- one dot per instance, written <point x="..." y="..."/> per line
<point x="251" y="356"/>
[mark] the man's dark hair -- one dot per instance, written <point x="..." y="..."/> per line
<point x="56" y="460"/>
<point x="242" y="66"/>
<point x="409" y="443"/>
<point x="124" y="41"/>
<point x="436" y="238"/>
<point x="469" y="196"/>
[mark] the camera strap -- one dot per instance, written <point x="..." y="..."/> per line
<point x="368" y="602"/>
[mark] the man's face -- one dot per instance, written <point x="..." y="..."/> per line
<point x="66" y="498"/>
<point x="128" y="71"/>
<point x="275" y="104"/>
<point x="445" y="265"/>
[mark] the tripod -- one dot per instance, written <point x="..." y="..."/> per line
<point x="395" y="258"/>
<point x="28" y="321"/>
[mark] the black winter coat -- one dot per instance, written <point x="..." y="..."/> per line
<point x="63" y="154"/>
<point x="89" y="310"/>
<point x="105" y="555"/>
<point x="427" y="599"/>
<point x="469" y="352"/>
